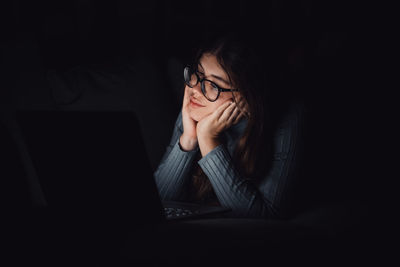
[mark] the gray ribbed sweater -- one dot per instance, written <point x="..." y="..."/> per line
<point x="245" y="198"/>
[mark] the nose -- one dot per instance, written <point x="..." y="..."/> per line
<point x="197" y="90"/>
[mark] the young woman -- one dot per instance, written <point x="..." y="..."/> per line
<point x="221" y="150"/>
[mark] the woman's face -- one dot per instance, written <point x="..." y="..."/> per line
<point x="210" y="69"/>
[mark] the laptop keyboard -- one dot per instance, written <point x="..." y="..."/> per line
<point x="177" y="212"/>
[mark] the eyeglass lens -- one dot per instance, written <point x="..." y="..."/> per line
<point x="209" y="89"/>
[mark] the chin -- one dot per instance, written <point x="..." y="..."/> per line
<point x="196" y="116"/>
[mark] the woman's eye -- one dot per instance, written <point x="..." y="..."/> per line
<point x="201" y="75"/>
<point x="215" y="87"/>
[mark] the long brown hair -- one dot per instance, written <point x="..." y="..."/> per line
<point x="248" y="69"/>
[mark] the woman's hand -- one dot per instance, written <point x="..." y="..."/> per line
<point x="210" y="127"/>
<point x="188" y="139"/>
<point x="243" y="105"/>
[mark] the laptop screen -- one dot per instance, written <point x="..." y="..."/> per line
<point x="92" y="162"/>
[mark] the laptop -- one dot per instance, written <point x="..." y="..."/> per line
<point x="93" y="165"/>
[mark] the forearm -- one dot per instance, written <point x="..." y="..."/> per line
<point x="172" y="173"/>
<point x="232" y="190"/>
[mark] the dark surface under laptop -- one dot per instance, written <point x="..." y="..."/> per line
<point x="93" y="165"/>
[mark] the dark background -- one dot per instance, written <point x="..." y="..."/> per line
<point x="129" y="54"/>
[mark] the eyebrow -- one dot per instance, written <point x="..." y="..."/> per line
<point x="216" y="77"/>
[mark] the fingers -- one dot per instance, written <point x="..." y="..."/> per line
<point x="221" y="109"/>
<point x="186" y="99"/>
<point x="244" y="107"/>
<point x="231" y="115"/>
<point x="227" y="112"/>
<point x="232" y="112"/>
<point x="238" y="117"/>
<point x="239" y="111"/>
<point x="186" y="96"/>
<point x="235" y="113"/>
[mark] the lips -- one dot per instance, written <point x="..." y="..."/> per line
<point x="195" y="103"/>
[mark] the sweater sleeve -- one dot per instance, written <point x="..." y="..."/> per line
<point x="268" y="198"/>
<point x="172" y="173"/>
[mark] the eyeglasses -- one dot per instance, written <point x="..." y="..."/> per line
<point x="209" y="89"/>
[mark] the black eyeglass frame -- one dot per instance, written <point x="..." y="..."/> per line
<point x="203" y="89"/>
